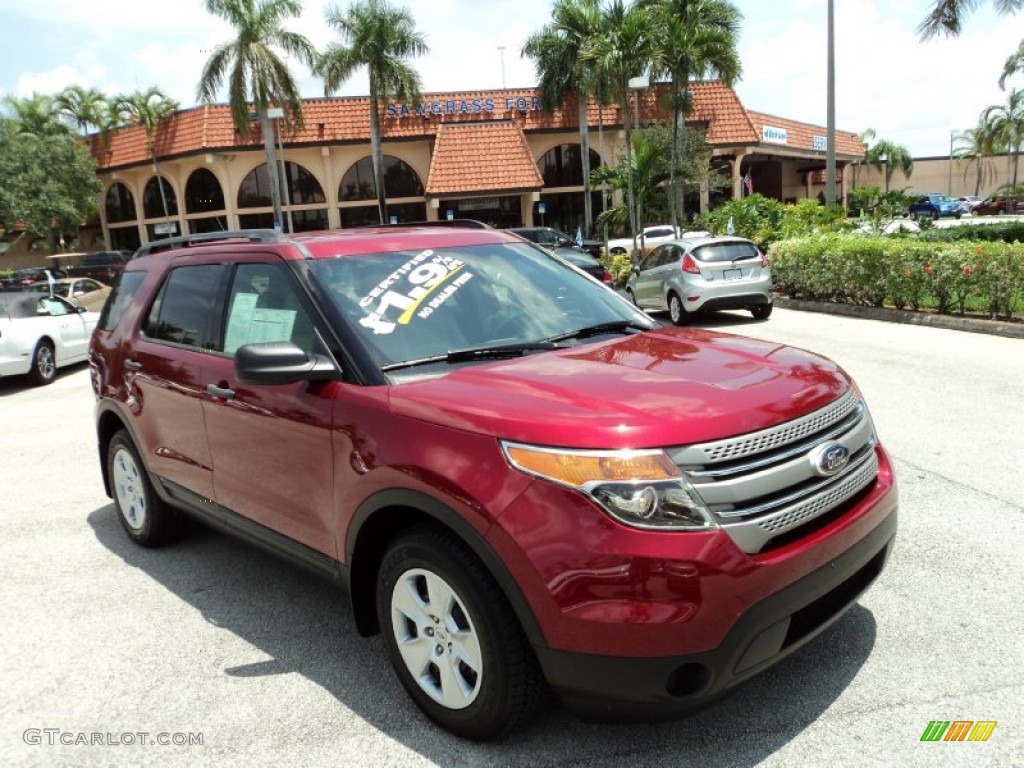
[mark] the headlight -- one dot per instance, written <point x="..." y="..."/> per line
<point x="643" y="489"/>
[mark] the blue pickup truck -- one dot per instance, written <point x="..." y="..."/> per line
<point x="935" y="206"/>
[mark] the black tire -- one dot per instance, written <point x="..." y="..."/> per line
<point x="618" y="250"/>
<point x="958" y="216"/>
<point x="761" y="311"/>
<point x="935" y="215"/>
<point x="676" y="312"/>
<point x="632" y="297"/>
<point x="44" y="364"/>
<point x="146" y="519"/>
<point x="477" y="648"/>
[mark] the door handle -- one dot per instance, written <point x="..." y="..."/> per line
<point x="133" y="365"/>
<point x="221" y="392"/>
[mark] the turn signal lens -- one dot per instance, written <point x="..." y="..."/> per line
<point x="579" y="469"/>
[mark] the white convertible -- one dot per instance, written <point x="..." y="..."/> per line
<point x="654" y="235"/>
<point x="39" y="334"/>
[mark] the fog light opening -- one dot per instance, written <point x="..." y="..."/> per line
<point x="688" y="680"/>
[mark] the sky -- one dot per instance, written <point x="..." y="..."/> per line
<point x="909" y="92"/>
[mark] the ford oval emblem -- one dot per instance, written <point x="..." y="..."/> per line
<point x="829" y="459"/>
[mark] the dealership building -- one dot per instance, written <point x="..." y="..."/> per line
<point x="495" y="156"/>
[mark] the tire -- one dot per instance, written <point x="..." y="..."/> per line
<point x="935" y="215"/>
<point x="958" y="216"/>
<point x="453" y="638"/>
<point x="632" y="297"/>
<point x="44" y="364"/>
<point x="146" y="519"/>
<point x="618" y="250"/>
<point x="761" y="311"/>
<point x="676" y="312"/>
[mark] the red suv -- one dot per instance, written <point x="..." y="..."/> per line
<point x="519" y="478"/>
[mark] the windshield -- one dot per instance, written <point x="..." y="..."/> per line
<point x="412" y="305"/>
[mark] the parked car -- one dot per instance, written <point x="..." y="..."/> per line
<point x="935" y="206"/>
<point x="22" y="278"/>
<point x="996" y="205"/>
<point x="652" y="236"/>
<point x="39" y="334"/>
<point x="520" y="478"/>
<point x="699" y="274"/>
<point x="102" y="266"/>
<point x="969" y="202"/>
<point x="586" y="262"/>
<point x="556" y="238"/>
<point x="81" y="292"/>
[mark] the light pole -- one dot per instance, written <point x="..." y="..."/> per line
<point x="501" y="49"/>
<point x="950" y="190"/>
<point x="636" y="84"/>
<point x="830" y="129"/>
<point x="276" y="114"/>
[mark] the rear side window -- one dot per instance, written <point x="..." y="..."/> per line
<point x="717" y="252"/>
<point x="186" y="310"/>
<point x="121" y="294"/>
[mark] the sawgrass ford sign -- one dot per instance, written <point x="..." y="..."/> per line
<point x="466" y="106"/>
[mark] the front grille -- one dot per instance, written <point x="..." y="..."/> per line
<point x="763" y="485"/>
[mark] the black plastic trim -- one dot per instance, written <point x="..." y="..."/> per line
<point x="639" y="688"/>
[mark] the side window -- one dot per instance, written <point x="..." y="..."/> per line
<point x="263" y="306"/>
<point x="652" y="259"/>
<point x="53" y="307"/>
<point x="121" y="295"/>
<point x="185" y="312"/>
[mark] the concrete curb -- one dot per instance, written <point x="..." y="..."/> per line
<point x="952" y="322"/>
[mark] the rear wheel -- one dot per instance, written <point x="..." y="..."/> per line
<point x="761" y="311"/>
<point x="145" y="517"/>
<point x="675" y="310"/>
<point x="44" y="364"/>
<point x="935" y="215"/>
<point x="632" y="297"/>
<point x="452" y="637"/>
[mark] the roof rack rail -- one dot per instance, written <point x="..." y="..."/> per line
<point x="468" y="223"/>
<point x="248" y="235"/>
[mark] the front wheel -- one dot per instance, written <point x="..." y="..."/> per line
<point x="632" y="297"/>
<point x="453" y="638"/>
<point x="761" y="311"/>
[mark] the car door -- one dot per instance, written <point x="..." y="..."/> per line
<point x="69" y="327"/>
<point x="270" y="444"/>
<point x="163" y="375"/>
<point x="645" y="282"/>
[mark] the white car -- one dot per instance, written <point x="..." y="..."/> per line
<point x="39" y="334"/>
<point x="969" y="202"/>
<point x="653" y="235"/>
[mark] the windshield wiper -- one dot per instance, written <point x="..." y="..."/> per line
<point x="615" y="326"/>
<point x="475" y="353"/>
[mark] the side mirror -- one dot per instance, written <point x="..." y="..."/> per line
<point x="636" y="269"/>
<point x="280" y="362"/>
<point x="81" y="310"/>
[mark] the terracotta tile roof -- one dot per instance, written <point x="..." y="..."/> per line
<point x="347" y="120"/>
<point x="800" y="135"/>
<point x="482" y="157"/>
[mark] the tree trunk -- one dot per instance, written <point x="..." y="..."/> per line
<point x="272" y="170"/>
<point x="377" y="158"/>
<point x="588" y="213"/>
<point x="626" y="117"/>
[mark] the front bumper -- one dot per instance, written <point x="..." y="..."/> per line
<point x="656" y="688"/>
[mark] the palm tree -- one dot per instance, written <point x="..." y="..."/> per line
<point x="644" y="168"/>
<point x="623" y="49"/>
<point x="695" y="38"/>
<point x="889" y="157"/>
<point x="946" y="16"/>
<point x="975" y="145"/>
<point x="563" y="74"/>
<point x="866" y="137"/>
<point x="83" y="107"/>
<point x="380" y="38"/>
<point x="1005" y="124"/>
<point x="149" y="109"/>
<point x="36" y="115"/>
<point x="255" y="73"/>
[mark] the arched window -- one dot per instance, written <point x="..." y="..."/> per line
<point x="303" y="188"/>
<point x="203" y="192"/>
<point x="560" y="166"/>
<point x="400" y="180"/>
<point x="152" y="204"/>
<point x="120" y="203"/>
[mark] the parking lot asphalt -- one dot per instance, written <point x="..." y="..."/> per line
<point x="210" y="638"/>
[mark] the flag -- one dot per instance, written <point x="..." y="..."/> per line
<point x="748" y="183"/>
<point x="579" y="236"/>
<point x="730" y="228"/>
<point x="50" y="279"/>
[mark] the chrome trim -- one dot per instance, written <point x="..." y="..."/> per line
<point x="752" y="535"/>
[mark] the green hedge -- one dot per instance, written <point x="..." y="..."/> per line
<point x="904" y="273"/>
<point x="1006" y="232"/>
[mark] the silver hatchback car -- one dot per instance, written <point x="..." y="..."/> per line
<point x="703" y="273"/>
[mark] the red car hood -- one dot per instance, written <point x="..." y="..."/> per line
<point x="663" y="387"/>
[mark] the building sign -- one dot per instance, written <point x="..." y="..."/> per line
<point x="479" y="204"/>
<point x="774" y="135"/>
<point x="820" y="143"/>
<point x="487" y="105"/>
